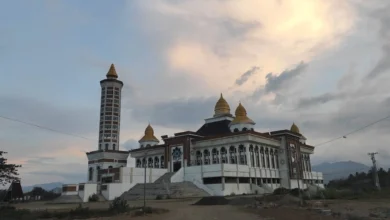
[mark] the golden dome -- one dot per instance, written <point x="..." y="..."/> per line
<point x="149" y="135"/>
<point x="294" y="128"/>
<point x="112" y="72"/>
<point x="241" y="116"/>
<point x="221" y="107"/>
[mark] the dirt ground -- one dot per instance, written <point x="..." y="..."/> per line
<point x="183" y="209"/>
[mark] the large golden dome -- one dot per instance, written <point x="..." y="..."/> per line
<point x="149" y="135"/>
<point x="221" y="107"/>
<point x="294" y="128"/>
<point x="241" y="116"/>
<point x="112" y="72"/>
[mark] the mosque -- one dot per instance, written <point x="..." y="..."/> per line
<point x="225" y="156"/>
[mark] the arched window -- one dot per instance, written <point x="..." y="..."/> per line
<point x="150" y="162"/>
<point x="252" y="156"/>
<point x="100" y="146"/>
<point x="90" y="172"/>
<point x="267" y="157"/>
<point x="162" y="164"/>
<point x="110" y="167"/>
<point x="236" y="130"/>
<point x="272" y="159"/>
<point x="143" y="162"/>
<point x="244" y="129"/>
<point x="262" y="157"/>
<point x="242" y="152"/>
<point x="98" y="173"/>
<point x="224" y="155"/>
<point x="138" y="163"/>
<point x="156" y="162"/>
<point x="257" y="156"/>
<point x="206" y="157"/>
<point x="233" y="156"/>
<point x="106" y="146"/>
<point x="215" y="156"/>
<point x="276" y="159"/>
<point x="113" y="146"/>
<point x="198" y="158"/>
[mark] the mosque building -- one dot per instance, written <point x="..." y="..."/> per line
<point x="226" y="155"/>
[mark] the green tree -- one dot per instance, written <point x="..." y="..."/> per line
<point x="8" y="172"/>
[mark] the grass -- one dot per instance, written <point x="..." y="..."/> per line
<point x="117" y="207"/>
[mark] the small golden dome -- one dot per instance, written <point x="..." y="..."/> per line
<point x="112" y="72"/>
<point x="149" y="135"/>
<point x="241" y="116"/>
<point x="221" y="107"/>
<point x="294" y="128"/>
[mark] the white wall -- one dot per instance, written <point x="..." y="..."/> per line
<point x="116" y="189"/>
<point x="89" y="189"/>
<point x="136" y="175"/>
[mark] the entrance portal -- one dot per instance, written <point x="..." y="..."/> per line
<point x="176" y="166"/>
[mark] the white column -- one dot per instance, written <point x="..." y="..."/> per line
<point x="248" y="155"/>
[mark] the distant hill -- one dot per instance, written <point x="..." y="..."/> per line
<point x="339" y="170"/>
<point x="45" y="186"/>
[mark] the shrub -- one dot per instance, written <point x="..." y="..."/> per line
<point x="281" y="191"/>
<point x="119" y="205"/>
<point x="93" y="198"/>
<point x="80" y="211"/>
<point x="295" y="192"/>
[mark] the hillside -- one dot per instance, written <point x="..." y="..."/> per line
<point x="339" y="170"/>
<point x="45" y="186"/>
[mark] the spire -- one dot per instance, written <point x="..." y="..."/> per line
<point x="294" y="128"/>
<point x="112" y="72"/>
<point x="221" y="107"/>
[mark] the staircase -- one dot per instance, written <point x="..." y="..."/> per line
<point x="166" y="178"/>
<point x="174" y="190"/>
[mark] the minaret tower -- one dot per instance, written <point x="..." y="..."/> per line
<point x="110" y="111"/>
<point x="103" y="161"/>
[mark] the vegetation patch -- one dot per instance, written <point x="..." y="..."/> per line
<point x="118" y="206"/>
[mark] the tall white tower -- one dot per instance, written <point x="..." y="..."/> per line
<point x="110" y="111"/>
<point x="103" y="161"/>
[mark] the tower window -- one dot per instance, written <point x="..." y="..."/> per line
<point x="236" y="130"/>
<point x="113" y="146"/>
<point x="244" y="129"/>
<point x="106" y="146"/>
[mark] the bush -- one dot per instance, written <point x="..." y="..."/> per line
<point x="80" y="211"/>
<point x="295" y="192"/>
<point x="281" y="191"/>
<point x="119" y="205"/>
<point x="93" y="198"/>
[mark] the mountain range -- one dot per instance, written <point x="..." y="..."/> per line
<point x="339" y="170"/>
<point x="45" y="186"/>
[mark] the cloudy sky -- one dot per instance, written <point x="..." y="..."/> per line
<point x="323" y="64"/>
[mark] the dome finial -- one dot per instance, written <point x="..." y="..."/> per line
<point x="112" y="72"/>
<point x="294" y="128"/>
<point x="221" y="107"/>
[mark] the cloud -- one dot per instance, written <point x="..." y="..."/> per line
<point x="245" y="76"/>
<point x="321" y="99"/>
<point x="276" y="83"/>
<point x="130" y="144"/>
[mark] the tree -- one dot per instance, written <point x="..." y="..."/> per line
<point x="8" y="172"/>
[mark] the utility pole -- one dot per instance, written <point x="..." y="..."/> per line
<point x="376" y="178"/>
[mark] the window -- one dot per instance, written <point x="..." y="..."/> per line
<point x="109" y="100"/>
<point x="206" y="156"/>
<point x="116" y="118"/>
<point x="107" y="135"/>
<point x="90" y="172"/>
<point x="215" y="156"/>
<point x="232" y="152"/>
<point x="244" y="129"/>
<point x="108" y="109"/>
<point x="252" y="156"/>
<point x="236" y="130"/>
<point x="223" y="155"/>
<point x="108" y="118"/>
<point x="156" y="162"/>
<point x="138" y="163"/>
<point x="116" y="92"/>
<point x="162" y="162"/>
<point x="107" y="126"/>
<point x="115" y="127"/>
<point x="116" y="109"/>
<point x="113" y="146"/>
<point x="114" y="136"/>
<point x="110" y="167"/>
<point x="106" y="146"/>
<point x="242" y="152"/>
<point x="116" y="101"/>
<point x="198" y="158"/>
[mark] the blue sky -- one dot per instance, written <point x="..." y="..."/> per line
<point x="175" y="58"/>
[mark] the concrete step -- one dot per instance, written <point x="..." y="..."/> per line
<point x="175" y="190"/>
<point x="166" y="178"/>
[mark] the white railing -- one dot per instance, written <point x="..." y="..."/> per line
<point x="200" y="185"/>
<point x="178" y="176"/>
